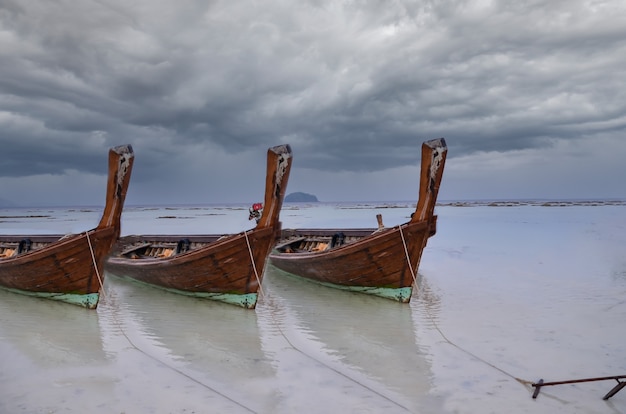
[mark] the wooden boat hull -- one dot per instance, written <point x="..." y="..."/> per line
<point x="225" y="270"/>
<point x="228" y="269"/>
<point x="69" y="268"/>
<point x="377" y="264"/>
<point x="382" y="262"/>
<point x="66" y="271"/>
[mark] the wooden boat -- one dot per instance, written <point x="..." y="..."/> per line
<point x="69" y="268"/>
<point x="379" y="261"/>
<point x="225" y="268"/>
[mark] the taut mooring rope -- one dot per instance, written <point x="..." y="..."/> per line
<point x="95" y="265"/>
<point x="258" y="279"/>
<point x="406" y="253"/>
<point x="445" y="338"/>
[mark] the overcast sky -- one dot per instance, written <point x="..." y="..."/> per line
<point x="530" y="96"/>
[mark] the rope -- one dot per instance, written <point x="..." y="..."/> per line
<point x="95" y="265"/>
<point x="406" y="253"/>
<point x="445" y="338"/>
<point x="258" y="279"/>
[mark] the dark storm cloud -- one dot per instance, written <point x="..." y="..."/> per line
<point x="353" y="86"/>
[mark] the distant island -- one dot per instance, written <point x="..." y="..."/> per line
<point x="300" y="198"/>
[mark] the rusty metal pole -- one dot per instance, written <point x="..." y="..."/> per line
<point x="620" y="384"/>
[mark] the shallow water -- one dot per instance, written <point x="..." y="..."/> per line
<point x="506" y="295"/>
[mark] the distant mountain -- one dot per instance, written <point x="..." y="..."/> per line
<point x="300" y="198"/>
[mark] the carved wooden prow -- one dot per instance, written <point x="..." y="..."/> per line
<point x="121" y="159"/>
<point x="434" y="154"/>
<point x="279" y="159"/>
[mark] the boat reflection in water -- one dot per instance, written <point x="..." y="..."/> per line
<point x="49" y="347"/>
<point x="306" y="348"/>
<point x="358" y="352"/>
<point x="197" y="352"/>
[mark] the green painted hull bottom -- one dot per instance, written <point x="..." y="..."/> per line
<point x="402" y="295"/>
<point x="89" y="300"/>
<point x="245" y="300"/>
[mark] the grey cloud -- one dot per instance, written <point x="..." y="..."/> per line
<point x="353" y="86"/>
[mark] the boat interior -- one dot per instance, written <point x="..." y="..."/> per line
<point x="164" y="248"/>
<point x="15" y="246"/>
<point x="316" y="243"/>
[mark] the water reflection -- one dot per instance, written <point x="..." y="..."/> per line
<point x="426" y="303"/>
<point x="48" y="346"/>
<point x="368" y="343"/>
<point x="208" y="349"/>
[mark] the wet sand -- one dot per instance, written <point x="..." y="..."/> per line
<point x="506" y="295"/>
